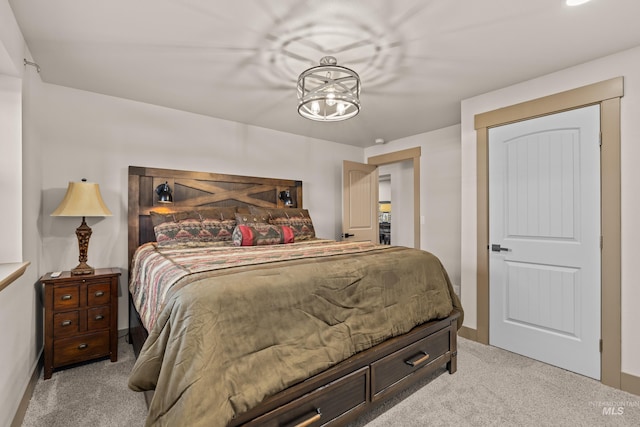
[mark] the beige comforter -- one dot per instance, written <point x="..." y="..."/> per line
<point x="227" y="339"/>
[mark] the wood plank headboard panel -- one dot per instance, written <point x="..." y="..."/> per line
<point x="197" y="189"/>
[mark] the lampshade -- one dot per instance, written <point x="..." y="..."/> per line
<point x="328" y="92"/>
<point x="82" y="199"/>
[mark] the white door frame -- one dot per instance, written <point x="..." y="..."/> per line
<point x="606" y="93"/>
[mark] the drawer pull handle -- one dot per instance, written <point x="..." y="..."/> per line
<point x="417" y="360"/>
<point x="83" y="346"/>
<point x="66" y="297"/>
<point x="99" y="293"/>
<point x="99" y="317"/>
<point x="66" y="322"/>
<point x="315" y="417"/>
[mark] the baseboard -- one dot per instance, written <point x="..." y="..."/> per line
<point x="468" y="333"/>
<point x="123" y="333"/>
<point x="630" y="383"/>
<point x="18" y="418"/>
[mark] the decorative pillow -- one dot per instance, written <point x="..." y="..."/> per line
<point x="252" y="218"/>
<point x="222" y="213"/>
<point x="158" y="218"/>
<point x="194" y="228"/>
<point x="296" y="218"/>
<point x="218" y="212"/>
<point x="261" y="234"/>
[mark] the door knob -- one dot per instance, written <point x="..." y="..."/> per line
<point x="498" y="248"/>
<point x="347" y="235"/>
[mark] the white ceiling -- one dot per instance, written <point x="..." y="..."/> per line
<point x="239" y="60"/>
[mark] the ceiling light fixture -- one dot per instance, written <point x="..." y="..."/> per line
<point x="328" y="92"/>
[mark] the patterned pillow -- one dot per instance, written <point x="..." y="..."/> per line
<point x="217" y="212"/>
<point x="226" y="213"/>
<point x="194" y="228"/>
<point x="259" y="217"/>
<point x="218" y="230"/>
<point x="261" y="234"/>
<point x="296" y="218"/>
<point x="158" y="218"/>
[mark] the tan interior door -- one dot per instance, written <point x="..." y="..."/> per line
<point x="360" y="201"/>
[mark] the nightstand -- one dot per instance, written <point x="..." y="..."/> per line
<point x="80" y="318"/>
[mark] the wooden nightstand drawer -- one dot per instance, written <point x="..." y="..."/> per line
<point x="98" y="294"/>
<point x="66" y="324"/>
<point x="321" y="406"/>
<point x="98" y="318"/>
<point x="394" y="368"/>
<point x="80" y="317"/>
<point x="65" y="297"/>
<point x="81" y="348"/>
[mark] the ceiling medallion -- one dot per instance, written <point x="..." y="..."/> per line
<point x="328" y="92"/>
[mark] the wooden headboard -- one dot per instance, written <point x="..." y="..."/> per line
<point x="197" y="189"/>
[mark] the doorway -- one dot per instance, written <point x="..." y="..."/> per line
<point x="361" y="203"/>
<point x="384" y="208"/>
<point x="409" y="162"/>
<point x="395" y="198"/>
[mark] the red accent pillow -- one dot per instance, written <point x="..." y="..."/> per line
<point x="262" y="234"/>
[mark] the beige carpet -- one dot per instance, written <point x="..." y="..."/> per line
<point x="491" y="387"/>
<point x="494" y="387"/>
<point x="94" y="394"/>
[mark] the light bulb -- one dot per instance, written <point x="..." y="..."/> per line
<point x="342" y="107"/>
<point x="331" y="99"/>
<point x="315" y="107"/>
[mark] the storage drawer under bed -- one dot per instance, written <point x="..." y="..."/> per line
<point x="394" y="368"/>
<point x="321" y="406"/>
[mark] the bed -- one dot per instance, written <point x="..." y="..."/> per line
<point x="239" y="330"/>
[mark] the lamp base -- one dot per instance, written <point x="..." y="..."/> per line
<point x="82" y="269"/>
<point x="83" y="233"/>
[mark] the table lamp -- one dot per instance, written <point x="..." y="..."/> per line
<point x="82" y="199"/>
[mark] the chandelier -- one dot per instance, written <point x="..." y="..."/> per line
<point x="328" y="92"/>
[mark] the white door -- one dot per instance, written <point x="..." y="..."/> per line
<point x="360" y="201"/>
<point x="544" y="235"/>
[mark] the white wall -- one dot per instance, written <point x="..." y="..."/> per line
<point x="439" y="192"/>
<point x="18" y="352"/>
<point x="384" y="187"/>
<point x="625" y="64"/>
<point x="20" y="306"/>
<point x="87" y="135"/>
<point x="12" y="46"/>
<point x="11" y="167"/>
